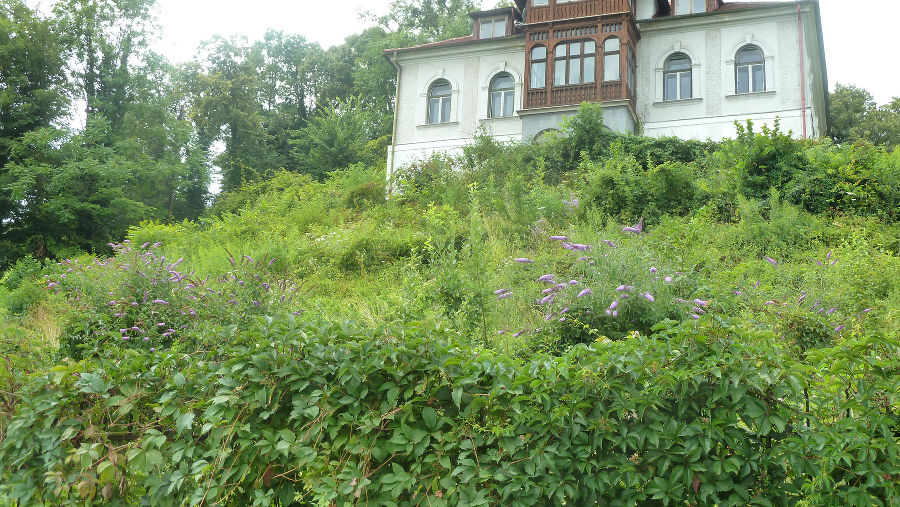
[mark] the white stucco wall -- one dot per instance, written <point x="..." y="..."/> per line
<point x="711" y="42"/>
<point x="469" y="67"/>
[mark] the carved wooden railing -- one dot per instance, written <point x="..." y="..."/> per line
<point x="611" y="91"/>
<point x="536" y="98"/>
<point x="573" y="94"/>
<point x="576" y="9"/>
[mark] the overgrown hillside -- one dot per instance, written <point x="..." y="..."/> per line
<point x="598" y="320"/>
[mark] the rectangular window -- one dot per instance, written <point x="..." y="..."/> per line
<point x="539" y="2"/>
<point x="759" y="78"/>
<point x="508" y="102"/>
<point x="671" y="87"/>
<point x="611" y="67"/>
<point x="743" y="80"/>
<point x="538" y="74"/>
<point x="589" y="71"/>
<point x="434" y="110"/>
<point x="559" y="73"/>
<point x="685" y="78"/>
<point x="496" y="104"/>
<point x="699" y="6"/>
<point x="445" y="110"/>
<point x="491" y="28"/>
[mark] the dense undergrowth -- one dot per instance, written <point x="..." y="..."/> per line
<point x="496" y="331"/>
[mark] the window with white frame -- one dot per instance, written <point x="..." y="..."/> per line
<point x="749" y="70"/>
<point x="491" y="28"/>
<point x="677" y="77"/>
<point x="439" y="98"/>
<point x="502" y="96"/>
<point x="689" y="6"/>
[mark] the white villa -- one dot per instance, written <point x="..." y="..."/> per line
<point x="685" y="68"/>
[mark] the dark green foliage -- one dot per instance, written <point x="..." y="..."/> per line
<point x="854" y="117"/>
<point x="335" y="414"/>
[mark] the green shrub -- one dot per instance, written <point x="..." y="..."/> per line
<point x="277" y="411"/>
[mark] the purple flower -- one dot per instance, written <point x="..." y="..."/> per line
<point x="621" y="288"/>
<point x="591" y="263"/>
<point x="583" y="258"/>
<point x="549" y="316"/>
<point x="161" y="324"/>
<point x="695" y="316"/>
<point x="771" y="261"/>
<point x="615" y="313"/>
<point x="523" y="260"/>
<point x="152" y="349"/>
<point x="668" y="279"/>
<point x="546" y="299"/>
<point x="160" y="302"/>
<point x="502" y="331"/>
<point x="504" y="295"/>
<point x="769" y="302"/>
<point x="545" y="278"/>
<point x="500" y="291"/>
<point x="145" y="245"/>
<point x="584" y="292"/>
<point x="118" y="315"/>
<point x="698" y="310"/>
<point x="520" y="333"/>
<point x="564" y="310"/>
<point x="827" y="257"/>
<point x="839" y="328"/>
<point x="648" y="296"/>
<point x="559" y="238"/>
<point x="126" y="338"/>
<point x="738" y="293"/>
<point x="653" y="270"/>
<point x="146" y="338"/>
<point x="867" y="310"/>
<point x="679" y="300"/>
<point x="270" y="262"/>
<point x="139" y="330"/>
<point x="51" y="285"/>
<point x="548" y="290"/>
<point x="700" y="302"/>
<point x="573" y="282"/>
<point x="637" y="228"/>
<point x="608" y="243"/>
<point x="614" y="304"/>
<point x="608" y="311"/>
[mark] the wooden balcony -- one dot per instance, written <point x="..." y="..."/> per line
<point x="576" y="9"/>
<point x="574" y="95"/>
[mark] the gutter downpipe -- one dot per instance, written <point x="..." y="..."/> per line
<point x="390" y="174"/>
<point x="802" y="69"/>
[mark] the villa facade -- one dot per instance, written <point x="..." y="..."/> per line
<point x="684" y="68"/>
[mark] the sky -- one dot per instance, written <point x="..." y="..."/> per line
<point x="857" y="34"/>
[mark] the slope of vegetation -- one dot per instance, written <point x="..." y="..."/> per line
<point x="599" y="320"/>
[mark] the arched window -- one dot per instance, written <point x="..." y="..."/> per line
<point x="677" y="77"/>
<point x="749" y="70"/>
<point x="574" y="63"/>
<point x="439" y="102"/>
<point x="502" y="95"/>
<point x="538" y="67"/>
<point x="611" y="71"/>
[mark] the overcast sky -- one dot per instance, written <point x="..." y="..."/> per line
<point x="859" y="35"/>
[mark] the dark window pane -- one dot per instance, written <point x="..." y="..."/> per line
<point x="749" y="54"/>
<point x="589" y="69"/>
<point x="685" y="78"/>
<point x="759" y="78"/>
<point x="670" y="87"/>
<point x="496" y="104"/>
<point x="743" y="80"/>
<point x="434" y="106"/>
<point x="678" y="61"/>
<point x="538" y="75"/>
<point x="508" y="103"/>
<point x="559" y="73"/>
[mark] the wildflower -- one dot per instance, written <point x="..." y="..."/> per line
<point x="637" y="228"/>
<point x="621" y="288"/>
<point x="559" y="238"/>
<point x="52" y="285"/>
<point x="573" y="282"/>
<point x="591" y="263"/>
<point x="698" y="310"/>
<point x="118" y="315"/>
<point x="523" y="260"/>
<point x="545" y="278"/>
<point x="830" y="311"/>
<point x="137" y="329"/>
<point x="769" y="302"/>
<point x="614" y="304"/>
<point x="608" y="311"/>
<point x="161" y="324"/>
<point x="548" y="290"/>
<point x="549" y="316"/>
<point x="126" y="338"/>
<point x="738" y="293"/>
<point x="667" y="279"/>
<point x="867" y="310"/>
<point x="839" y="328"/>
<point x="160" y="302"/>
<point x="679" y="300"/>
<point x="500" y="291"/>
<point x="828" y="257"/>
<point x="546" y="299"/>
<point x="520" y="333"/>
<point x="564" y="310"/>
<point x="832" y="262"/>
<point x="502" y="331"/>
<point x="615" y="313"/>
<point x="504" y="295"/>
<point x="649" y="296"/>
<point x="584" y="292"/>
<point x="695" y="316"/>
<point x="802" y="297"/>
<point x="700" y="302"/>
<point x="270" y="262"/>
<point x="771" y="261"/>
<point x="152" y="349"/>
<point x="145" y="245"/>
<point x="608" y="243"/>
<point x="653" y="270"/>
<point x="146" y="338"/>
<point x="562" y="319"/>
